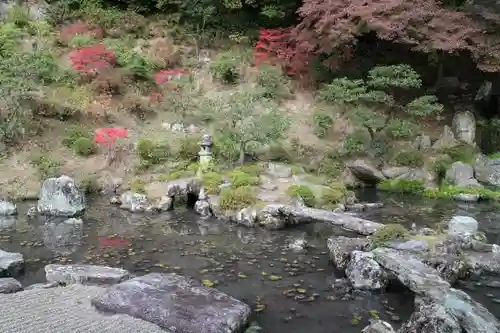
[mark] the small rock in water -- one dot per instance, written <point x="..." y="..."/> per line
<point x="7" y="208"/>
<point x="11" y="264"/>
<point x="202" y="207"/>
<point x="364" y="272"/>
<point x="10" y="285"/>
<point x="378" y="326"/>
<point x="298" y="245"/>
<point x="85" y="274"/>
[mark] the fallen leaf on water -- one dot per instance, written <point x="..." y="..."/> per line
<point x="208" y="283"/>
<point x="275" y="277"/>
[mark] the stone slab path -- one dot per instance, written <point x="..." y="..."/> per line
<point x="64" y="310"/>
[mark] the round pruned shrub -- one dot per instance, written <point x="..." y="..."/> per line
<point x="231" y="199"/>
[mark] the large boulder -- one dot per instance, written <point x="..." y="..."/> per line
<point x="365" y="273"/>
<point x="464" y="127"/>
<point x="411" y="272"/>
<point x="462" y="225"/>
<point x="461" y="174"/>
<point x="175" y="303"/>
<point x="61" y="197"/>
<point x="365" y="171"/>
<point x="85" y="274"/>
<point x="487" y="171"/>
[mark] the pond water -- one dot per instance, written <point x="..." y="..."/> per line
<point x="296" y="292"/>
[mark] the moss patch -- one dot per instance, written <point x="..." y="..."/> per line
<point x="409" y="159"/>
<point x="389" y="232"/>
<point x="138" y="186"/>
<point x="332" y="196"/>
<point x="462" y="152"/>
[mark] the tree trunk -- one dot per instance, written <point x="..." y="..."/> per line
<point x="242" y="153"/>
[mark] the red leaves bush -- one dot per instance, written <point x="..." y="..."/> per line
<point x="277" y="47"/>
<point x="92" y="59"/>
<point x="67" y="33"/>
<point x="166" y="75"/>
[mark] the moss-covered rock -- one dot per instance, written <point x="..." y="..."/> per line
<point x="387" y="233"/>
<point x="238" y="178"/>
<point x="304" y="192"/>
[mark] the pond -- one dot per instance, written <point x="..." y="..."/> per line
<point x="291" y="291"/>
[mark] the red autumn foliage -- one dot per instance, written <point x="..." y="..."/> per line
<point x="68" y="32"/>
<point x="425" y="25"/>
<point x="166" y="75"/>
<point x="108" y="136"/>
<point x="277" y="47"/>
<point x="94" y="58"/>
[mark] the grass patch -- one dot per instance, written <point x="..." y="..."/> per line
<point x="138" y="186"/>
<point x="46" y="166"/>
<point x="402" y="186"/>
<point x="332" y="196"/>
<point x="212" y="181"/>
<point x="231" y="199"/>
<point x="239" y="178"/>
<point x="409" y="159"/>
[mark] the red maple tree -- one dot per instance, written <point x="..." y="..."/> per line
<point x="425" y="25"/>
<point x="277" y="47"/>
<point x="94" y="58"/>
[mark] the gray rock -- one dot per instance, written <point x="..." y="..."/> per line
<point x="365" y="273"/>
<point x="462" y="225"/>
<point x="163" y="205"/>
<point x="487" y="171"/>
<point x="447" y="139"/>
<point x="482" y="263"/>
<point x="393" y="172"/>
<point x="247" y="217"/>
<point x="175" y="303"/>
<point x="411" y="272"/>
<point x="7" y="208"/>
<point x="134" y="202"/>
<point x="203" y="208"/>
<point x="292" y="215"/>
<point x="85" y="274"/>
<point x="378" y="326"/>
<point x="426" y="232"/>
<point x="464" y="127"/>
<point x="472" y="316"/>
<point x="365" y="171"/>
<point x="63" y="237"/>
<point x="298" y="244"/>
<point x="11" y="264"/>
<point x="46" y="285"/>
<point x="461" y="174"/>
<point x="413" y="174"/>
<point x="341" y="247"/>
<point x="61" y="197"/>
<point x="278" y="170"/>
<point x="422" y="142"/>
<point x="409" y="246"/>
<point x="10" y="285"/>
<point x="180" y="188"/>
<point x="431" y="318"/>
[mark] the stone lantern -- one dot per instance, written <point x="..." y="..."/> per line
<point x="205" y="152"/>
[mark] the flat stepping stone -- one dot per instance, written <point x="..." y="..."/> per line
<point x="85" y="274"/>
<point x="176" y="303"/>
<point x="64" y="310"/>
